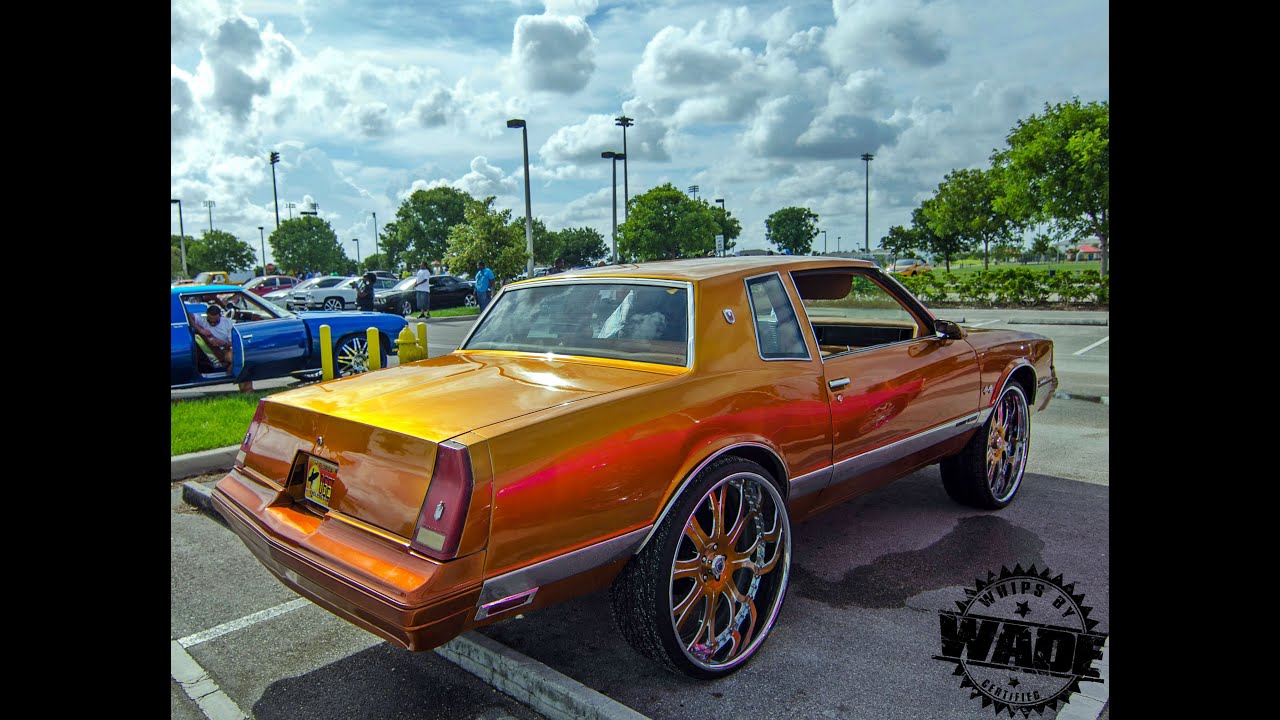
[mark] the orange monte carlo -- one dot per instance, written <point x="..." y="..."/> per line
<point x="657" y="429"/>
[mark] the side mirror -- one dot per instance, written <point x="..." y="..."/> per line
<point x="947" y="330"/>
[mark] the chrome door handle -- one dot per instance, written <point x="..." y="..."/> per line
<point x="837" y="384"/>
<point x="246" y="337"/>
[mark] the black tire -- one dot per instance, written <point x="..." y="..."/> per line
<point x="718" y="599"/>
<point x="987" y="473"/>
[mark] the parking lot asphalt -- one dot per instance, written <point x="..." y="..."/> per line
<point x="871" y="574"/>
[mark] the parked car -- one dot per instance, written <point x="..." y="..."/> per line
<point x="267" y="340"/>
<point x="446" y="291"/>
<point x="654" y="428"/>
<point x="264" y="284"/>
<point x="909" y="266"/>
<point x="331" y="295"/>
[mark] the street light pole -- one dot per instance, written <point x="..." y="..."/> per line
<point x="724" y="223"/>
<point x="693" y="190"/>
<point x="291" y="206"/>
<point x="824" y="242"/>
<point x="210" y="204"/>
<point x="866" y="208"/>
<point x="625" y="122"/>
<point x="615" y="156"/>
<point x="357" y="242"/>
<point x="262" y="239"/>
<point x="274" y="157"/>
<point x="528" y="206"/>
<point x="182" y="235"/>
<point x="375" y="234"/>
<point x="837" y="243"/>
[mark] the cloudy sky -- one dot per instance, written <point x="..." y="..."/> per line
<point x="763" y="104"/>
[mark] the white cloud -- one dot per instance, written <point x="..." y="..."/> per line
<point x="553" y="52"/>
<point x="872" y="32"/>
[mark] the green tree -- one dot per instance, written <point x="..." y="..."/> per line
<point x="176" y="245"/>
<point x="902" y="242"/>
<point x="219" y="250"/>
<point x="545" y="243"/>
<point x="307" y="243"/>
<point x="1042" y="245"/>
<point x="1058" y="168"/>
<point x="729" y="226"/>
<point x="965" y="205"/>
<point x="376" y="261"/>
<point x="792" y="229"/>
<point x="490" y="236"/>
<point x="421" y="227"/>
<point x="946" y="246"/>
<point x="578" y="246"/>
<point x="665" y="224"/>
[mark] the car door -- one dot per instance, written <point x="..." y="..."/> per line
<point x="182" y="361"/>
<point x="267" y="348"/>
<point x="894" y="388"/>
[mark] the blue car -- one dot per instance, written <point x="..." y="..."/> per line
<point x="268" y="340"/>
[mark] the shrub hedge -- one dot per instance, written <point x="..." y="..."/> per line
<point x="1011" y="286"/>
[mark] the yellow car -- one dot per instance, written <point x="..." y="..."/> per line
<point x="909" y="266"/>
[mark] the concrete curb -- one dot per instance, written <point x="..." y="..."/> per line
<point x="1060" y="321"/>
<point x="1104" y="399"/>
<point x="1092" y="699"/>
<point x="528" y="681"/>
<point x="205" y="461"/>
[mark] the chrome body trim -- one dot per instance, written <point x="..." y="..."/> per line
<point x="755" y="323"/>
<point x="1044" y="381"/>
<point x="810" y="483"/>
<point x="985" y="412"/>
<point x="881" y="456"/>
<point x="487" y="610"/>
<point x="541" y="574"/>
<point x="689" y="479"/>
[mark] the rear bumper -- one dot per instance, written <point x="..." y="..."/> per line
<point x="372" y="582"/>
<point x="1045" y="390"/>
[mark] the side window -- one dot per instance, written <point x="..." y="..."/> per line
<point x="850" y="312"/>
<point x="777" y="327"/>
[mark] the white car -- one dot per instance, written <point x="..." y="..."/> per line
<point x="327" y="293"/>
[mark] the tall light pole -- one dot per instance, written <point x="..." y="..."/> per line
<point x="314" y="211"/>
<point x="274" y="157"/>
<point x="357" y="242"/>
<point x="528" y="206"/>
<point x="375" y="234"/>
<point x="866" y="208"/>
<point x="837" y="243"/>
<point x="693" y="190"/>
<point x="615" y="156"/>
<point x="291" y="206"/>
<point x="724" y="223"/>
<point x="182" y="235"/>
<point x="262" y="239"/>
<point x="210" y="204"/>
<point x="624" y="122"/>
<point x="824" y="242"/>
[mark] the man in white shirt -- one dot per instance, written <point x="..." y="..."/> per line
<point x="422" y="290"/>
<point x="215" y="330"/>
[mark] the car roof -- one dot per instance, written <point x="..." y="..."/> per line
<point x="185" y="289"/>
<point x="697" y="269"/>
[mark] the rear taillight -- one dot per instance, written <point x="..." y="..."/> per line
<point x="253" y="425"/>
<point x="444" y="512"/>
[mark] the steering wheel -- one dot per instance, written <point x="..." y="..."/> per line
<point x="230" y="312"/>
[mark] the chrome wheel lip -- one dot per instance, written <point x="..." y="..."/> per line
<point x="769" y="616"/>
<point x="334" y="303"/>
<point x="1010" y="416"/>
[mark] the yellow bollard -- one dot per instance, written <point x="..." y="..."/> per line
<point x="375" y="350"/>
<point x="326" y="354"/>
<point x="422" y="339"/>
<point x="407" y="346"/>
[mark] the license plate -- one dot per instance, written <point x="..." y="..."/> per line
<point x="319" y="479"/>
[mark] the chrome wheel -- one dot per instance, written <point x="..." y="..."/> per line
<point x="1008" y="439"/>
<point x="406" y="307"/>
<point x="352" y="356"/>
<point x="333" y="304"/>
<point x="729" y="571"/>
<point x="470" y="301"/>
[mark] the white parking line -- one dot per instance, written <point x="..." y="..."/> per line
<point x="1085" y="350"/>
<point x="986" y="322"/>
<point x="244" y="622"/>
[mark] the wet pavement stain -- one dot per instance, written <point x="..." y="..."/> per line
<point x="977" y="545"/>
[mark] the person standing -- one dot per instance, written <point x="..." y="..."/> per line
<point x="364" y="293"/>
<point x="484" y="285"/>
<point x="422" y="290"/>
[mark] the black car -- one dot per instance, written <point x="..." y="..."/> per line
<point x="446" y="291"/>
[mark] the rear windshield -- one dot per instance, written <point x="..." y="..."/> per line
<point x="618" y="320"/>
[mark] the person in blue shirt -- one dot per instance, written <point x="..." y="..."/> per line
<point x="484" y="284"/>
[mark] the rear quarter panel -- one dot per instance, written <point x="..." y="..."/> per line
<point x="1001" y="352"/>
